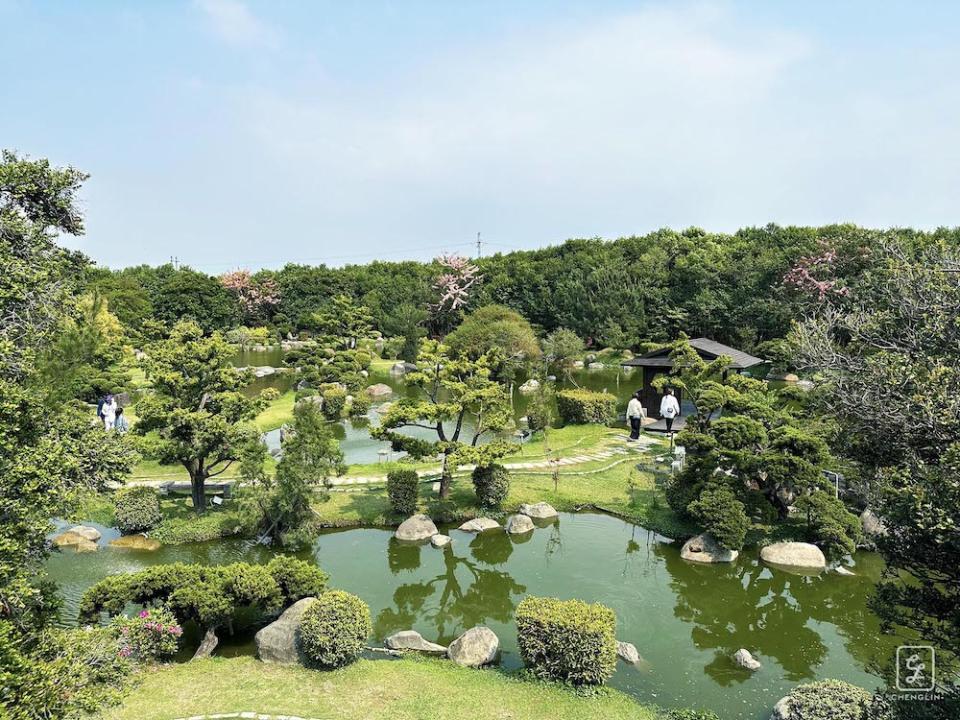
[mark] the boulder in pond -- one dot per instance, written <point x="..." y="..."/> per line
<point x="794" y="555"/>
<point x="705" y="549"/>
<point x="479" y="525"/>
<point x="85" y="531"/>
<point x="278" y="641"/>
<point x="519" y="525"/>
<point x="538" y="511"/>
<point x="744" y="659"/>
<point x="628" y="652"/>
<point x="873" y="526"/>
<point x="478" y="646"/>
<point x="379" y="390"/>
<point x="412" y="640"/>
<point x="416" y="528"/>
<point x="782" y="710"/>
<point x="74" y="540"/>
<point x="440" y="541"/>
<point x="402" y="368"/>
<point x="136" y="542"/>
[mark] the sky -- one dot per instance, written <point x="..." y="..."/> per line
<point x="246" y="134"/>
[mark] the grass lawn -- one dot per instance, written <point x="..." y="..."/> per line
<point x="277" y="413"/>
<point x="407" y="689"/>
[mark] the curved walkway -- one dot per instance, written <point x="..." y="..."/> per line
<point x="244" y="716"/>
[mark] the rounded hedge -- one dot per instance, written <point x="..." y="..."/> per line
<point x="579" y="407"/>
<point x="402" y="486"/>
<point x="825" y="700"/>
<point x="137" y="509"/>
<point x="567" y="640"/>
<point x="492" y="484"/>
<point x="360" y="405"/>
<point x="334" y="402"/>
<point x="334" y="628"/>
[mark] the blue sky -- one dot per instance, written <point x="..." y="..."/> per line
<point x="239" y="133"/>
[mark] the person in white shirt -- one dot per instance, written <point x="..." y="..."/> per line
<point x="109" y="411"/>
<point x="669" y="408"/>
<point x="635" y="415"/>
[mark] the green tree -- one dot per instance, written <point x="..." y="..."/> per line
<point x="197" y="413"/>
<point x="563" y="348"/>
<point x="341" y="323"/>
<point x="495" y="328"/>
<point x="455" y="392"/>
<point x="406" y="321"/>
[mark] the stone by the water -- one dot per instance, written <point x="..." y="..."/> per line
<point x="277" y="642"/>
<point x="478" y="646"/>
<point x="478" y="525"/>
<point x="744" y="659"/>
<point x="519" y="525"/>
<point x="628" y="652"/>
<point x="440" y="541"/>
<point x="705" y="549"/>
<point x="794" y="555"/>
<point x="538" y="511"/>
<point x="873" y="526"/>
<point x="379" y="390"/>
<point x="841" y="570"/>
<point x="416" y="528"/>
<point x="136" y="542"/>
<point x="85" y="531"/>
<point x="402" y="368"/>
<point x="74" y="540"/>
<point x="412" y="640"/>
<point x="530" y="386"/>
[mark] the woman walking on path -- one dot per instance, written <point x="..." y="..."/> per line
<point x="109" y="412"/>
<point x="669" y="408"/>
<point x="635" y="415"/>
<point x="121" y="424"/>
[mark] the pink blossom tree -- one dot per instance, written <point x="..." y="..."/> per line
<point x="254" y="296"/>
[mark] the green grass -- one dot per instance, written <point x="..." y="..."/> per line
<point x="277" y="413"/>
<point x="407" y="689"/>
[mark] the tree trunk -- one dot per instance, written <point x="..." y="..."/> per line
<point x="446" y="478"/>
<point x="207" y="645"/>
<point x="198" y="492"/>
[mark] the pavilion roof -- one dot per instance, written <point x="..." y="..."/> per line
<point x="707" y="349"/>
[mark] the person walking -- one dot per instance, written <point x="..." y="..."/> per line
<point x="635" y="415"/>
<point x="109" y="412"/>
<point x="121" y="424"/>
<point x="669" y="408"/>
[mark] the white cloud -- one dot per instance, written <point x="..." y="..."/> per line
<point x="234" y="23"/>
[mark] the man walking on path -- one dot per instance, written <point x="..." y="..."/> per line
<point x="635" y="415"/>
<point x="669" y="408"/>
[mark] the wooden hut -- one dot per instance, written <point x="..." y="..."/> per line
<point x="658" y="362"/>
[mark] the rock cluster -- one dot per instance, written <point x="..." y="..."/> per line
<point x="705" y="549"/>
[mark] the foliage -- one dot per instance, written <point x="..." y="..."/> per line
<point x="246" y="337"/>
<point x="334" y="628"/>
<point x="406" y="321"/>
<point x="455" y="285"/>
<point x="830" y="524"/>
<point x="567" y="640"/>
<point x="451" y="389"/>
<point x="341" y="323"/>
<point x="684" y="714"/>
<point x="137" y="509"/>
<point x="256" y="296"/>
<point x="562" y="347"/>
<point x="197" y="409"/>
<point x="402" y="488"/>
<point x="585" y="406"/>
<point x="360" y="405"/>
<point x="149" y="635"/>
<point x="722" y="515"/>
<point x="491" y="484"/>
<point x="495" y="328"/>
<point x="828" y="700"/>
<point x="540" y="412"/>
<point x="334" y="402"/>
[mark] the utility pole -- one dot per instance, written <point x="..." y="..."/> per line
<point x="479" y="251"/>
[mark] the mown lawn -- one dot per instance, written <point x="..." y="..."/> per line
<point x="407" y="689"/>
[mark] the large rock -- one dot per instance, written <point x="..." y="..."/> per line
<point x="277" y="642"/>
<point x="478" y="525"/>
<point x="873" y="526"/>
<point x="538" y="511"/>
<point x="74" y="540"/>
<point x="379" y="390"/>
<point x="87" y="532"/>
<point x="628" y="652"/>
<point x="705" y="549"/>
<point x="478" y="646"/>
<point x="530" y="386"/>
<point x="782" y="710"/>
<point x="795" y="555"/>
<point x="416" y="528"/>
<point x="402" y="368"/>
<point x="136" y="542"/>
<point x="519" y="525"/>
<point x="744" y="659"/>
<point x="412" y="640"/>
<point x="440" y="541"/>
<point x="596" y="366"/>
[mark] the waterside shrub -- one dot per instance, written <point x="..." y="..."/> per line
<point x="402" y="486"/>
<point x="137" y="509"/>
<point x="491" y="484"/>
<point x="334" y="629"/>
<point x="579" y="407"/>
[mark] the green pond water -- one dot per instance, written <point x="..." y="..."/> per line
<point x="686" y="620"/>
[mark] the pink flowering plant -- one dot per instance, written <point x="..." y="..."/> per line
<point x="455" y="283"/>
<point x="152" y="633"/>
<point x="816" y="274"/>
<point x="255" y="296"/>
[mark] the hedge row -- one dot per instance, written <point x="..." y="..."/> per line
<point x="579" y="407"/>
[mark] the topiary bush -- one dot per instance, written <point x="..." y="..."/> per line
<point x="825" y="700"/>
<point x="334" y="629"/>
<point x="334" y="402"/>
<point x="150" y="635"/>
<point x="722" y="515"/>
<point x="492" y="484"/>
<point x="360" y="405"/>
<point x="402" y="486"/>
<point x="297" y="579"/>
<point x="137" y="509"/>
<point x="579" y="407"/>
<point x="567" y="640"/>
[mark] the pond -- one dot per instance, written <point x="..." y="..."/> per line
<point x="686" y="620"/>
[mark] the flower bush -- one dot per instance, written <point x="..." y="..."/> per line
<point x="151" y="634"/>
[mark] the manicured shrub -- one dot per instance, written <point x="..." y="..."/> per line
<point x="360" y="405"/>
<point x="567" y="640"/>
<point x="829" y="523"/>
<point x="137" y="509"/>
<point x="402" y="486"/>
<point x="492" y="484"/>
<point x="827" y="700"/>
<point x="539" y="411"/>
<point x="334" y="629"/>
<point x="334" y="402"/>
<point x="297" y="578"/>
<point x="722" y="515"/>
<point x="578" y="407"/>
<point x="149" y="635"/>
